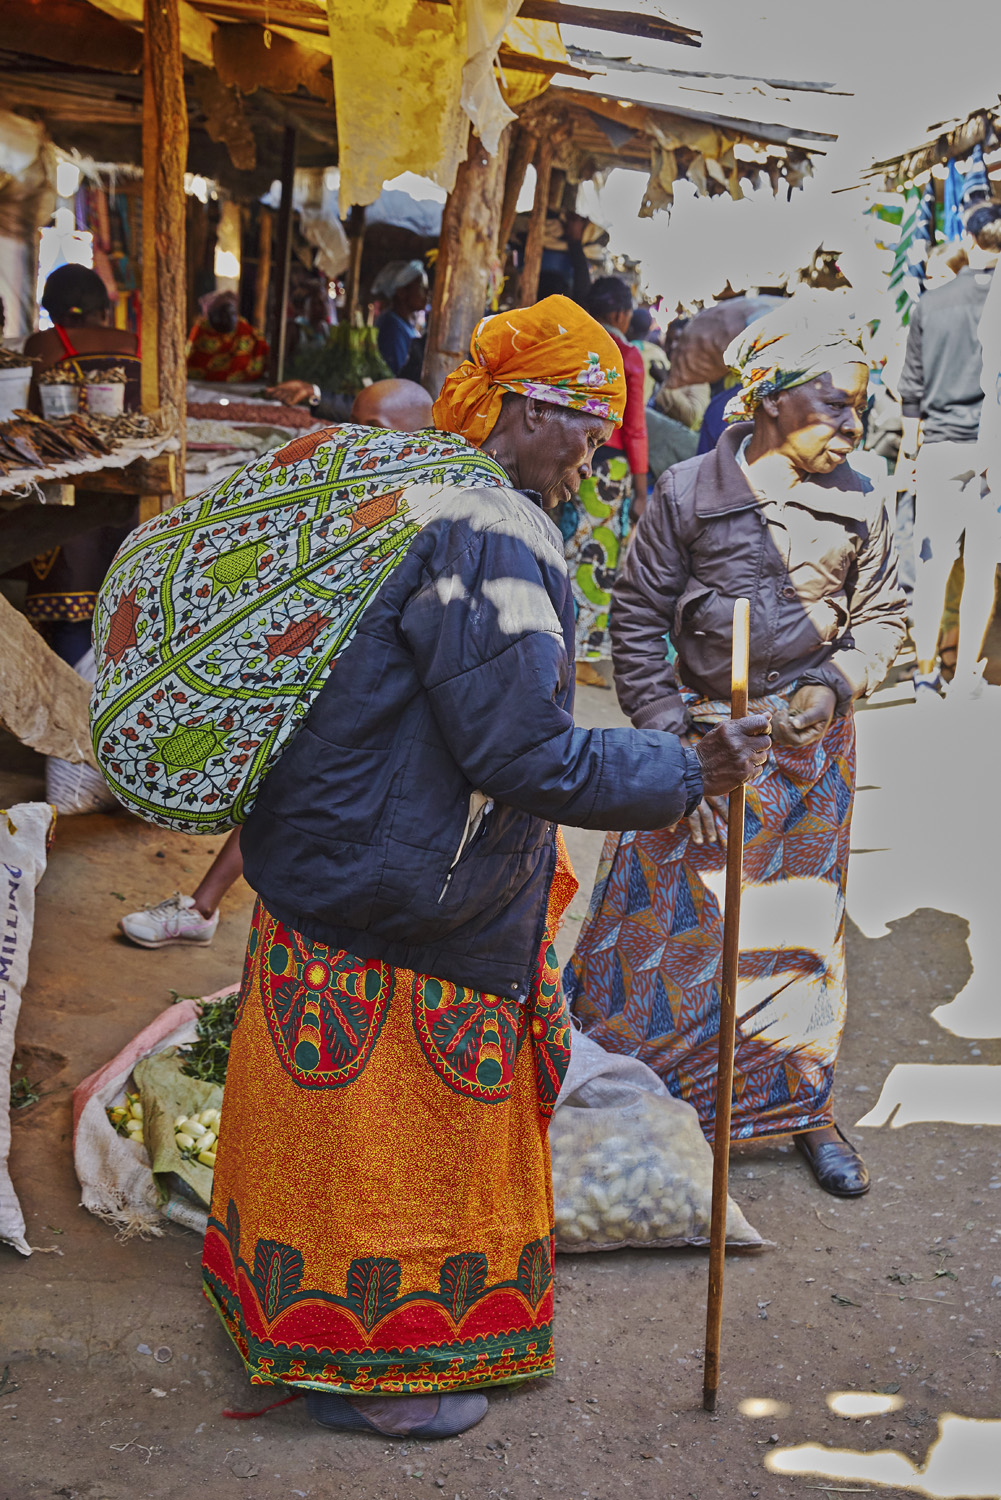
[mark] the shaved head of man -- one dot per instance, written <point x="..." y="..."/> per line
<point x="401" y="404"/>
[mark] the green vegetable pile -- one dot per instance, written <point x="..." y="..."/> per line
<point x="23" y="1093"/>
<point x="345" y="363"/>
<point x="208" y="1057"/>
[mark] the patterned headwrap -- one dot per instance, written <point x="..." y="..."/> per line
<point x="554" y="351"/>
<point x="784" y="349"/>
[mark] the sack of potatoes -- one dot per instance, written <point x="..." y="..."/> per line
<point x="631" y="1166"/>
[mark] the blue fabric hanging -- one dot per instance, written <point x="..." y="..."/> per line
<point x="976" y="188"/>
<point x="952" y="228"/>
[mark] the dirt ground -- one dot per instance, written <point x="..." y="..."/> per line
<point x="114" y="1373"/>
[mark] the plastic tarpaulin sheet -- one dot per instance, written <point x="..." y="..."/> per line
<point x="408" y="81"/>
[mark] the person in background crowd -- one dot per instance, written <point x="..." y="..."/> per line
<point x="566" y="272"/>
<point x="686" y="404"/>
<point x="641" y="334"/>
<point x="714" y="418"/>
<point x="672" y="334"/>
<point x="403" y="404"/>
<point x="311" y="326"/>
<point x="941" y="399"/>
<point x="398" y="404"/>
<point x="405" y="286"/>
<point x="77" y="301"/>
<point x="668" y="443"/>
<point x="698" y="357"/>
<point x="380" y="1237"/>
<point x="63" y="583"/>
<point x="775" y="514"/>
<point x="981" y="559"/>
<point x="595" y="521"/>
<point x="222" y="346"/>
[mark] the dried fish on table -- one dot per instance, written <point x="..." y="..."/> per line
<point x="61" y="374"/>
<point x="11" y="360"/>
<point x="53" y="444"/>
<point x="27" y="441"/>
<point x="115" y="375"/>
<point x="31" y="442"/>
<point x="76" y="432"/>
<point x="16" y="446"/>
<point x="84" y="432"/>
<point x="129" y="426"/>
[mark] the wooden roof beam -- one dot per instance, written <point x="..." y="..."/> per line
<point x="196" y="30"/>
<point x="630" y="23"/>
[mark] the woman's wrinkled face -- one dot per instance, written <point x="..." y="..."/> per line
<point x="820" y="423"/>
<point x="557" y="453"/>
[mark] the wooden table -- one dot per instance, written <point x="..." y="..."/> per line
<point x="103" y="493"/>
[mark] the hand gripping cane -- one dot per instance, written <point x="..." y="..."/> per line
<point x="727" y="1018"/>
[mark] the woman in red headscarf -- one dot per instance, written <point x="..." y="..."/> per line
<point x="222" y="346"/>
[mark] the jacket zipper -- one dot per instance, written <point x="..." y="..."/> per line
<point x="480" y="808"/>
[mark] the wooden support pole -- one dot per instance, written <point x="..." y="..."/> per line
<point x="467" y="258"/>
<point x="727" y="1017"/>
<point x="165" y="156"/>
<point x="263" y="269"/>
<point x="356" y="244"/>
<point x="283" y="257"/>
<point x="528" y="292"/>
<point x="522" y="151"/>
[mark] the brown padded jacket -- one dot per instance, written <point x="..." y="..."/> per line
<point x="820" y="572"/>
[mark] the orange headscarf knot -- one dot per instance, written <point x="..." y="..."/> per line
<point x="553" y="351"/>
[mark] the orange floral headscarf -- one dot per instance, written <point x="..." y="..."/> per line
<point x="554" y="351"/>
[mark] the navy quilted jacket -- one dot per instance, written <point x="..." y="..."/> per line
<point x="412" y="819"/>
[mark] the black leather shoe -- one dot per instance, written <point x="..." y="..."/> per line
<point x="836" y="1165"/>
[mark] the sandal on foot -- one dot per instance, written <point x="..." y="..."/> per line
<point x="836" y="1165"/>
<point x="398" y="1416"/>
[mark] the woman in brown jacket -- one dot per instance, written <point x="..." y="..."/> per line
<point x="777" y="515"/>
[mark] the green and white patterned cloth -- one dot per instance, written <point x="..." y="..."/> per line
<point x="219" y="621"/>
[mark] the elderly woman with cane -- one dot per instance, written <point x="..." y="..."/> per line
<point x="381" y="1230"/>
<point x="777" y="515"/>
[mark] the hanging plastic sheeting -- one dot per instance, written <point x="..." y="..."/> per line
<point x="481" y="99"/>
<point x="539" y="39"/>
<point x="710" y="159"/>
<point x="27" y="201"/>
<point x="408" y="80"/>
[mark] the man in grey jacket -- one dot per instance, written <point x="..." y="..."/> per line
<point x="941" y="398"/>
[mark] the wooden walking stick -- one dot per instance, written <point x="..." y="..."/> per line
<point x="727" y="1018"/>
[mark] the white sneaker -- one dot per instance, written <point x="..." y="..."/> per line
<point x="176" y="920"/>
<point x="928" y="688"/>
<point x="969" y="687"/>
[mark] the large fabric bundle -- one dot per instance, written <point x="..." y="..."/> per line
<point x="219" y="620"/>
<point x="697" y="357"/>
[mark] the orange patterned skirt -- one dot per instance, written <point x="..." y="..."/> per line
<point x="382" y="1211"/>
